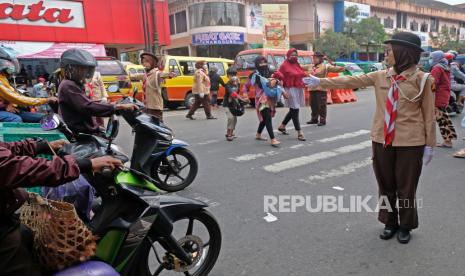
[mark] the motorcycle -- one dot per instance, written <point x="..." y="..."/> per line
<point x="156" y="152"/>
<point x="137" y="225"/>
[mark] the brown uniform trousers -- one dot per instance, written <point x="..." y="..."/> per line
<point x="398" y="171"/>
<point x="319" y="97"/>
<point x="205" y="102"/>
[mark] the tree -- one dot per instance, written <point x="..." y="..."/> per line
<point x="351" y="13"/>
<point x="369" y="33"/>
<point x="458" y="46"/>
<point x="442" y="39"/>
<point x="335" y="45"/>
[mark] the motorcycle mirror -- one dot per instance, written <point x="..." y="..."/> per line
<point x="113" y="88"/>
<point x="112" y="128"/>
<point x="50" y="122"/>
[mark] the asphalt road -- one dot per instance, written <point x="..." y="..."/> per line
<point x="335" y="160"/>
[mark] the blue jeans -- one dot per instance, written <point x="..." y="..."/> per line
<point x="214" y="97"/>
<point x="23" y="116"/>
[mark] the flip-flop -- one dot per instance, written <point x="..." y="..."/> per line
<point x="301" y="138"/>
<point x="443" y="146"/>
<point x="276" y="145"/>
<point x="261" y="139"/>
<point x="460" y="154"/>
<point x="283" y="131"/>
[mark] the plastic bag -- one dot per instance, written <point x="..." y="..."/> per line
<point x="78" y="192"/>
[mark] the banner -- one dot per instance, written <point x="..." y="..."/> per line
<point x="363" y="10"/>
<point x="49" y="49"/>
<point x="218" y="38"/>
<point x="255" y="20"/>
<point x="276" y="25"/>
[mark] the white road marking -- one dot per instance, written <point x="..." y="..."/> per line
<point x="248" y="157"/>
<point x="341" y="171"/>
<point x="207" y="142"/>
<point x="344" y="136"/>
<point x="309" y="159"/>
<point x="338" y="188"/>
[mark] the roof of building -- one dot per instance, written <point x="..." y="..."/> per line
<point x="437" y="4"/>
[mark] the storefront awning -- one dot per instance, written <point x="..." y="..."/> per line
<point x="49" y="49"/>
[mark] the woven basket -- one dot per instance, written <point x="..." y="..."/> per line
<point x="61" y="239"/>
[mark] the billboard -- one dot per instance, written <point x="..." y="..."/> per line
<point x="363" y="10"/>
<point x="254" y="17"/>
<point x="276" y="25"/>
<point x="218" y="38"/>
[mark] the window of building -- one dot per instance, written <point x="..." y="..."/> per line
<point x="172" y="26"/>
<point x="216" y="14"/>
<point x="219" y="66"/>
<point x="377" y="18"/>
<point x="404" y="20"/>
<point x="434" y="24"/>
<point x="181" y="22"/>
<point x="398" y="20"/>
<point x="453" y="30"/>
<point x="388" y="23"/>
<point x="414" y="25"/>
<point x="424" y="27"/>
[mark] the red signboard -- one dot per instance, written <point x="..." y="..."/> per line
<point x="85" y="21"/>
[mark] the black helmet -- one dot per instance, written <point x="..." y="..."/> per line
<point x="8" y="61"/>
<point x="78" y="64"/>
<point x="77" y="57"/>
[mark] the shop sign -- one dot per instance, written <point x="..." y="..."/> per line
<point x="218" y="38"/>
<point x="57" y="13"/>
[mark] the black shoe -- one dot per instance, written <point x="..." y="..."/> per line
<point x="190" y="117"/>
<point x="312" y="122"/>
<point x="321" y="124"/>
<point x="211" y="118"/>
<point x="388" y="232"/>
<point x="403" y="236"/>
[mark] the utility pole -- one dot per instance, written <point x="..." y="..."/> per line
<point x="155" y="45"/>
<point x="316" y="21"/>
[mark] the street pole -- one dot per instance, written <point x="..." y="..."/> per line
<point x="155" y="45"/>
<point x="143" y="4"/>
<point x="316" y="21"/>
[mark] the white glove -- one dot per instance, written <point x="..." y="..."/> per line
<point x="104" y="100"/>
<point x="311" y="81"/>
<point x="427" y="155"/>
<point x="201" y="95"/>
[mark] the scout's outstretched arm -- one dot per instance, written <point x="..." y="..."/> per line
<point x="346" y="82"/>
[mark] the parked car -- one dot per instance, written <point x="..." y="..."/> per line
<point x="178" y="91"/>
<point x="113" y="74"/>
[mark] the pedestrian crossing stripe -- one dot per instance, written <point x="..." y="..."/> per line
<point x="341" y="171"/>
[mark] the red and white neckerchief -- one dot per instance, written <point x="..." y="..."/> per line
<point x="390" y="113"/>
<point x="91" y="90"/>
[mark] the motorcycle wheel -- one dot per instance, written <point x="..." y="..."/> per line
<point x="150" y="254"/>
<point x="170" y="172"/>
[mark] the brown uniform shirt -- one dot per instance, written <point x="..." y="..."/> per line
<point x="321" y="70"/>
<point x="153" y="96"/>
<point x="415" y="122"/>
<point x="201" y="83"/>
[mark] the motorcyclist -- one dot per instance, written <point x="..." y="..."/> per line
<point x="457" y="79"/>
<point x="10" y="99"/>
<point x="19" y="168"/>
<point x="75" y="107"/>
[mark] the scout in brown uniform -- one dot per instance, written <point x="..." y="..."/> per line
<point x="152" y="85"/>
<point x="318" y="97"/>
<point x="403" y="131"/>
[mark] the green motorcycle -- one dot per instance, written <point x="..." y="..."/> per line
<point x="142" y="232"/>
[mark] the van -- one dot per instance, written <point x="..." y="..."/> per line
<point x="178" y="91"/>
<point x="113" y="74"/>
<point x="245" y="62"/>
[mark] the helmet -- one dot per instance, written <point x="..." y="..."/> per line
<point x="8" y="61"/>
<point x="78" y="65"/>
<point x="455" y="53"/>
<point x="448" y="56"/>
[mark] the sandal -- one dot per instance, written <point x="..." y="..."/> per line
<point x="275" y="144"/>
<point x="260" y="138"/>
<point x="301" y="137"/>
<point x="283" y="131"/>
<point x="460" y="154"/>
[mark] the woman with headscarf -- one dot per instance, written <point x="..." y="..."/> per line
<point x="441" y="72"/>
<point x="291" y="74"/>
<point x="265" y="106"/>
<point x="403" y="130"/>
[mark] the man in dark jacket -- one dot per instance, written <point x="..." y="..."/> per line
<point x="18" y="169"/>
<point x="215" y="81"/>
<point x="76" y="109"/>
